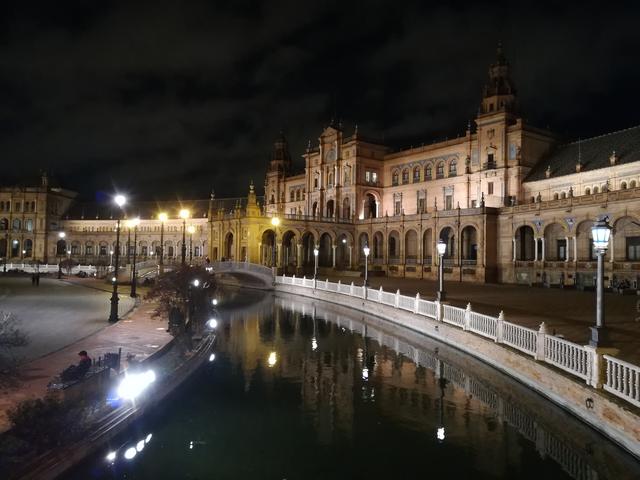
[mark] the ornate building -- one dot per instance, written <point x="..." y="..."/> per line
<point x="513" y="203"/>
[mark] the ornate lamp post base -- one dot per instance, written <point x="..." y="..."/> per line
<point x="599" y="337"/>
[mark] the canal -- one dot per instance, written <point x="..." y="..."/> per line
<point x="305" y="390"/>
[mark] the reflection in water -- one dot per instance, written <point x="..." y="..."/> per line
<point x="304" y="390"/>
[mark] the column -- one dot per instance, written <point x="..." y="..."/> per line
<point x="575" y="249"/>
<point x="513" y="243"/>
<point x="378" y="212"/>
<point x="350" y="256"/>
<point x="543" y="247"/>
<point x="535" y="249"/>
<point x="566" y="253"/>
<point x="611" y="248"/>
<point x="333" y="255"/>
<point x="298" y="255"/>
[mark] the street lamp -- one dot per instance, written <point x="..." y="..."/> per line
<point x="366" y="251"/>
<point x="191" y="231"/>
<point x="163" y="217"/>
<point x="110" y="259"/>
<point x="442" y="249"/>
<point x="275" y="221"/>
<point x="133" y="224"/>
<point x="184" y="214"/>
<point x="600" y="232"/>
<point x="315" y="265"/>
<point x="61" y="236"/>
<point x="119" y="200"/>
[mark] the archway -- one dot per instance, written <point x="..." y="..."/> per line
<point x="370" y="206"/>
<point x="15" y="248"/>
<point x="314" y="209"/>
<point x="469" y="237"/>
<point x="268" y="250"/>
<point x="394" y="246"/>
<point x="325" y="257"/>
<point x="3" y="247"/>
<point x="411" y="247"/>
<point x="61" y="247"/>
<point x="289" y="249"/>
<point x="343" y="258"/>
<point x="28" y="248"/>
<point x="228" y="247"/>
<point x="308" y="244"/>
<point x="378" y="247"/>
<point x="427" y="246"/>
<point x="446" y="235"/>
<point x="363" y="241"/>
<point x="330" y="209"/>
<point x="626" y="239"/>
<point x="525" y="244"/>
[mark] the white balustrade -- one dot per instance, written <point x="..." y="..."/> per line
<point x="568" y="356"/>
<point x="453" y="315"/>
<point x="484" y="325"/>
<point x="622" y="379"/>
<point x="520" y="338"/>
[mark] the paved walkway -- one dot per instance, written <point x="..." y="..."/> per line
<point x="136" y="333"/>
<point x="569" y="313"/>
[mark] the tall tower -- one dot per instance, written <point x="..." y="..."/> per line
<point x="499" y="94"/>
<point x="497" y="113"/>
<point x="279" y="167"/>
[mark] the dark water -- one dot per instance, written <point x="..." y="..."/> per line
<point x="304" y="391"/>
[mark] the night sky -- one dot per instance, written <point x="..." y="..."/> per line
<point x="167" y="99"/>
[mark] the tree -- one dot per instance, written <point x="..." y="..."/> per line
<point x="186" y="289"/>
<point x="10" y="337"/>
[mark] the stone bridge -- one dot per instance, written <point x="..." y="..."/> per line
<point x="244" y="274"/>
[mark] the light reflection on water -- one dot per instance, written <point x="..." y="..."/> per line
<point x="299" y="390"/>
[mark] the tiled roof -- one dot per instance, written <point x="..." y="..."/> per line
<point x="593" y="153"/>
<point x="148" y="210"/>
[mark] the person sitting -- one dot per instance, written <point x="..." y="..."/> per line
<point x="76" y="372"/>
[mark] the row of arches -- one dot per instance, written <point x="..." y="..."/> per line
<point x="417" y="174"/>
<point x="16" y="248"/>
<point x="339" y="251"/>
<point x="143" y="249"/>
<point x="16" y="224"/>
<point x="557" y="242"/>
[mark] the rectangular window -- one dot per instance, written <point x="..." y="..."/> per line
<point x="17" y="207"/>
<point x="448" y="202"/>
<point x="421" y="205"/>
<point x="398" y="207"/>
<point x="103" y="249"/>
<point x="562" y="249"/>
<point x="89" y="250"/>
<point x="633" y="248"/>
<point x="490" y="188"/>
<point x="491" y="163"/>
<point x="367" y="177"/>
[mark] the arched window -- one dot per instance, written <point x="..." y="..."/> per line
<point x="292" y="194"/>
<point x="298" y="194"/>
<point x="33" y="206"/>
<point x="28" y="225"/>
<point x="28" y="247"/>
<point x="405" y="176"/>
<point x="587" y="191"/>
<point x="416" y="174"/>
<point x="595" y="189"/>
<point x="533" y="199"/>
<point x="453" y="168"/>
<point x="16" y="224"/>
<point x="555" y="196"/>
<point x="632" y="184"/>
<point x="623" y="186"/>
<point x="440" y="170"/>
<point x="563" y="195"/>
<point x="4" y="224"/>
<point x="394" y="178"/>
<point x="427" y="172"/>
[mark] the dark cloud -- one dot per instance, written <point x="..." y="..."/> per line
<point x="169" y="98"/>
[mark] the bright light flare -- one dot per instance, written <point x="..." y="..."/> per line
<point x="214" y="302"/>
<point x="212" y="357"/>
<point x="440" y="433"/>
<point x="111" y="456"/>
<point x="134" y="384"/>
<point x="120" y="200"/>
<point x="212" y="323"/>
<point x="365" y="373"/>
<point x="130" y="453"/>
<point x="148" y="439"/>
<point x="140" y="445"/>
<point x="196" y="283"/>
<point x="273" y="359"/>
<point x="314" y="344"/>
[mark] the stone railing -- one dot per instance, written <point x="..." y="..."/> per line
<point x="44" y="268"/>
<point x="600" y="371"/>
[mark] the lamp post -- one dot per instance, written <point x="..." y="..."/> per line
<point x="110" y="259"/>
<point x="366" y="251"/>
<point x="442" y="248"/>
<point x="191" y="231"/>
<point x="163" y="217"/>
<point x="61" y="236"/>
<point x="120" y="200"/>
<point x="275" y="221"/>
<point x="315" y="264"/>
<point x="133" y="223"/>
<point x="600" y="232"/>
<point x="184" y="214"/>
